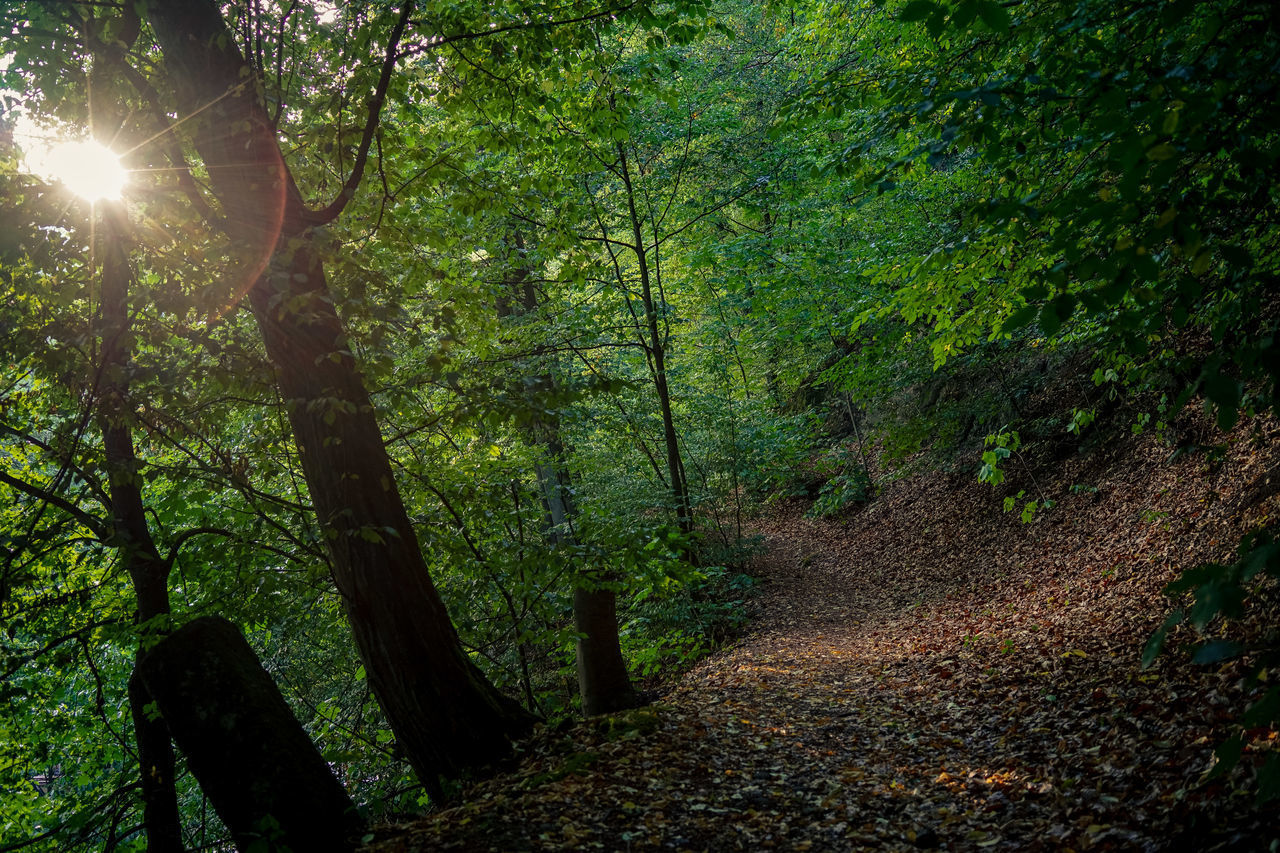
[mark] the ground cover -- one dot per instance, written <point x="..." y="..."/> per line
<point x="929" y="672"/>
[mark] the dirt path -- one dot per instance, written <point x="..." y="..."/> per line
<point x="929" y="673"/>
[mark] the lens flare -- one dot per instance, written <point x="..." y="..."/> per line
<point x="87" y="168"/>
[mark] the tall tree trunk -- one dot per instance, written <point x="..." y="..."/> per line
<point x="249" y="753"/>
<point x="604" y="684"/>
<point x="148" y="571"/>
<point x="446" y="715"/>
<point x="658" y="354"/>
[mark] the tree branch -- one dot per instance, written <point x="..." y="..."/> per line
<point x="440" y="41"/>
<point x="330" y="213"/>
<point x="94" y="524"/>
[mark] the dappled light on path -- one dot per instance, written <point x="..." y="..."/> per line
<point x="927" y="673"/>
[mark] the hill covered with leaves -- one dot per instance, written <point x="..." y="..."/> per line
<point x="929" y="672"/>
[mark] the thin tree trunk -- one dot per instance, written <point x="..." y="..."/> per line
<point x="771" y="357"/>
<point x="657" y="351"/>
<point x="446" y="715"/>
<point x="156" y="761"/>
<point x="604" y="684"/>
<point x="148" y="571"/>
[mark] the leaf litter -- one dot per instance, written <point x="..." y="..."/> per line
<point x="930" y="673"/>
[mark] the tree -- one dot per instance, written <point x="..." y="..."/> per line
<point x="604" y="685"/>
<point x="446" y="715"/>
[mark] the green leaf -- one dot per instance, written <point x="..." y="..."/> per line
<point x="994" y="16"/>
<point x="964" y="13"/>
<point x="1265" y="711"/>
<point x="1228" y="755"/>
<point x="1063" y="305"/>
<point x="1198" y="576"/>
<point x="1050" y="322"/>
<point x="1260" y="559"/>
<point x="1269" y="778"/>
<point x="1152" y="649"/>
<point x="1222" y="390"/>
<point x="917" y="10"/>
<point x="937" y="22"/>
<point x="1019" y="318"/>
<point x="1223" y="597"/>
<point x="1215" y="651"/>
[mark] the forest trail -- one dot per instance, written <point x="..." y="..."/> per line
<point x="927" y="672"/>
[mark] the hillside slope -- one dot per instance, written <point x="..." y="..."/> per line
<point x="930" y="672"/>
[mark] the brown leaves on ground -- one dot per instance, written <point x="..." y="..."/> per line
<point x="931" y="673"/>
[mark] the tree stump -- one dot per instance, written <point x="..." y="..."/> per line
<point x="254" y="761"/>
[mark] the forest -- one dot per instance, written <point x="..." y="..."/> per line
<point x="639" y="425"/>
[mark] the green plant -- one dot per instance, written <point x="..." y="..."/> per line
<point x="671" y="625"/>
<point x="1220" y="593"/>
<point x="997" y="447"/>
<point x="841" y="492"/>
<point x="1003" y="444"/>
<point x="1080" y="419"/>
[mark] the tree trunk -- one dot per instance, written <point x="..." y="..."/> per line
<point x="446" y="715"/>
<point x="604" y="684"/>
<point x="211" y="692"/>
<point x="771" y="355"/>
<point x="254" y="761"/>
<point x="156" y="761"/>
<point x="148" y="571"/>
<point x="658" y="355"/>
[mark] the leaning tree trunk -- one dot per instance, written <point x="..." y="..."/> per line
<point x="446" y="715"/>
<point x="253" y="759"/>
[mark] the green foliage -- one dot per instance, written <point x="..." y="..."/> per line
<point x="673" y="626"/>
<point x="1000" y="446"/>
<point x="843" y="491"/>
<point x="1080" y="420"/>
<point x="845" y="482"/>
<point x="892" y="217"/>
<point x="1219" y="595"/>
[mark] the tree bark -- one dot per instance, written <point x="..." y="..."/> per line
<point x="604" y="684"/>
<point x="156" y="761"/>
<point x="254" y="761"/>
<point x="148" y="571"/>
<point x="658" y="354"/>
<point x="446" y="715"/>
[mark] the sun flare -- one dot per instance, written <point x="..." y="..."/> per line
<point x="87" y="168"/>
